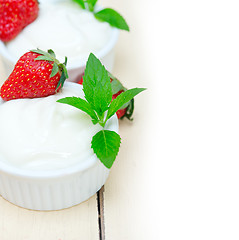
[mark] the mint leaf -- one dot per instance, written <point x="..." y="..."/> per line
<point x="102" y="97"/>
<point x="125" y="105"/>
<point x="80" y="104"/>
<point x="100" y="107"/>
<point x="81" y="3"/>
<point x="106" y="15"/>
<point x="122" y="99"/>
<point x="91" y="4"/>
<point x="96" y="85"/>
<point x="106" y="145"/>
<point x="93" y="73"/>
<point x="113" y="18"/>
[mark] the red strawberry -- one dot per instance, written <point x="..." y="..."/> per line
<point x="121" y="112"/>
<point x="81" y="81"/>
<point x="36" y="74"/>
<point x="15" y="15"/>
<point x="32" y="10"/>
<point x="117" y="89"/>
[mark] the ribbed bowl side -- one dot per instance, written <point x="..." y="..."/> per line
<point x="53" y="193"/>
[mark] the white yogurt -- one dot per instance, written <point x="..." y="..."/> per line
<point x="41" y="134"/>
<point x="66" y="28"/>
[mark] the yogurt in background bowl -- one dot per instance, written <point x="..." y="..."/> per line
<point x="70" y="31"/>
<point x="46" y="160"/>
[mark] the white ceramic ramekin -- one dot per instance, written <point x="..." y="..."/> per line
<point x="75" y="71"/>
<point x="54" y="189"/>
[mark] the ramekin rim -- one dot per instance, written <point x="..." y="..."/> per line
<point x="9" y="169"/>
<point x="100" y="54"/>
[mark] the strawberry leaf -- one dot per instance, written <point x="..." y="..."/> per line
<point x="129" y="110"/>
<point x="51" y="52"/>
<point x="44" y="58"/>
<point x="116" y="85"/>
<point x="47" y="56"/>
<point x="81" y="104"/>
<point x="64" y="76"/>
<point x="113" y="18"/>
<point x="39" y="51"/>
<point x="63" y="68"/>
<point x="55" y="70"/>
<point x="57" y="66"/>
<point x="106" y="145"/>
<point x="122" y="99"/>
<point x="65" y="62"/>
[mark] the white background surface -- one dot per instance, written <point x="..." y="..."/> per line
<point x="193" y="64"/>
<point x="189" y="60"/>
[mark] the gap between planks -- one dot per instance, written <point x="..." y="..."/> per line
<point x="101" y="220"/>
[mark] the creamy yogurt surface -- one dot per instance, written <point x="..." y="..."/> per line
<point x="64" y="27"/>
<point x="41" y="134"/>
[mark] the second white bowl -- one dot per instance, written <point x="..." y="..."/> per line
<point x="75" y="71"/>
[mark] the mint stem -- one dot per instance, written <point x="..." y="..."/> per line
<point x="102" y="119"/>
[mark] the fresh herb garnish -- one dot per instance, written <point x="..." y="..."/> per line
<point x="86" y="4"/>
<point x="99" y="106"/>
<point x="106" y="145"/>
<point x="113" y="18"/>
<point x="106" y="15"/>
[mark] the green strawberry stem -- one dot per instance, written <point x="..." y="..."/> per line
<point x="129" y="110"/>
<point x="57" y="66"/>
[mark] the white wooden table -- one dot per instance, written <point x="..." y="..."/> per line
<point x="122" y="204"/>
<point x="176" y="176"/>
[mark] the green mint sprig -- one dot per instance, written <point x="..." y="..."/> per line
<point x="86" y="4"/>
<point x="99" y="106"/>
<point x="106" y="15"/>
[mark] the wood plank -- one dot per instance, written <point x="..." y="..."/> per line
<point x="126" y="195"/>
<point x="195" y="61"/>
<point x="100" y="204"/>
<point x="78" y="222"/>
